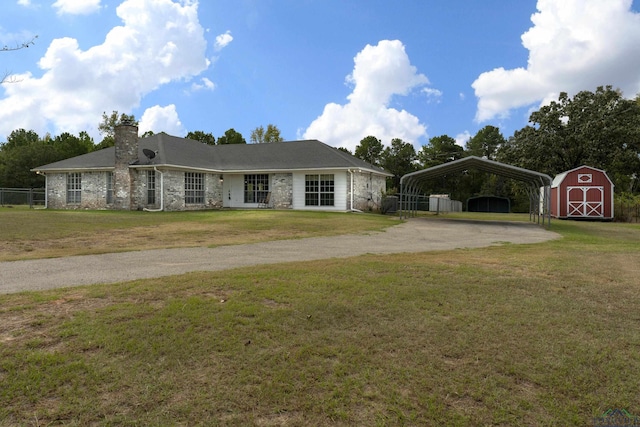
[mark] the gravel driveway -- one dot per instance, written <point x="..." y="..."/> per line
<point x="415" y="235"/>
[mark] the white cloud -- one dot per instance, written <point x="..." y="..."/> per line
<point x="205" y="84"/>
<point x="160" y="41"/>
<point x="573" y="45"/>
<point x="380" y="72"/>
<point x="432" y="94"/>
<point x="222" y="41"/>
<point x="463" y="138"/>
<point x="161" y="119"/>
<point x="25" y="3"/>
<point x="76" y="7"/>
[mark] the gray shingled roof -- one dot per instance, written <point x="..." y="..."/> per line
<point x="172" y="151"/>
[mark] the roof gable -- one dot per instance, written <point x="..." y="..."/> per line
<point x="558" y="179"/>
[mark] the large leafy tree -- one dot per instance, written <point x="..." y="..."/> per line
<point x="261" y="136"/>
<point x="485" y="143"/>
<point x="25" y="150"/>
<point x="399" y="159"/>
<point x="599" y="129"/>
<point x="440" y="149"/>
<point x="370" y="150"/>
<point x="231" y="137"/>
<point x="68" y="145"/>
<point x="204" y="137"/>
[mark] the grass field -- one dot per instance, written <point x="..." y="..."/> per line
<point x="32" y="234"/>
<point x="544" y="334"/>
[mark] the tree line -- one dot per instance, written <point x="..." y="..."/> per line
<point x="599" y="129"/>
<point x="25" y="149"/>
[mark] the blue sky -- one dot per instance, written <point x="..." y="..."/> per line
<point x="333" y="70"/>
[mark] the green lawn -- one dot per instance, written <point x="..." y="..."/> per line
<point x="544" y="334"/>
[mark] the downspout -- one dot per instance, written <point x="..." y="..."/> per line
<point x="161" y="192"/>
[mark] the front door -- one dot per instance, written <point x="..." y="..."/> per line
<point x="585" y="202"/>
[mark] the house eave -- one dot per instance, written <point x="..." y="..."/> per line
<point x="77" y="169"/>
<point x="315" y="169"/>
<point x="175" y="167"/>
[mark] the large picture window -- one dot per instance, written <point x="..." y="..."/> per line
<point x="74" y="188"/>
<point x="151" y="187"/>
<point x="256" y="188"/>
<point x="319" y="190"/>
<point x="193" y="188"/>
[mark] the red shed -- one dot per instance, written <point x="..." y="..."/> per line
<point x="583" y="192"/>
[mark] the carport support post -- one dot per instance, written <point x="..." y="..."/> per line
<point x="400" y="199"/>
<point x="414" y="194"/>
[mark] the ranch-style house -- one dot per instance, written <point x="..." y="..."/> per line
<point x="164" y="172"/>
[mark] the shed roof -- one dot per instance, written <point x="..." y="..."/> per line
<point x="557" y="180"/>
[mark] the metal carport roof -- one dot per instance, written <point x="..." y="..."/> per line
<point x="410" y="183"/>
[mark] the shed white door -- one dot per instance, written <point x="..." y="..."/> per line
<point x="585" y="202"/>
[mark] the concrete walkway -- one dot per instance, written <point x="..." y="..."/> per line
<point x="415" y="235"/>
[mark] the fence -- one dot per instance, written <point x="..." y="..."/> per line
<point x="626" y="211"/>
<point x="22" y="196"/>
<point x="391" y="204"/>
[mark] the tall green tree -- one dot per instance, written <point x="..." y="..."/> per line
<point x="107" y="127"/>
<point x="399" y="159"/>
<point x="370" y="150"/>
<point x="23" y="151"/>
<point x="261" y="136"/>
<point x="599" y="129"/>
<point x="485" y="143"/>
<point x="67" y="145"/>
<point x="231" y="137"/>
<point x="440" y="149"/>
<point x="204" y="137"/>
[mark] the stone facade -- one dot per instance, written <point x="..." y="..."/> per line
<point x="368" y="190"/>
<point x="282" y="190"/>
<point x="126" y="147"/>
<point x="93" y="191"/>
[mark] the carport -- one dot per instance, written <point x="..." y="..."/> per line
<point x="538" y="184"/>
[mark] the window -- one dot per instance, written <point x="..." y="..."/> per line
<point x="109" y="187"/>
<point x="151" y="187"/>
<point x="319" y="190"/>
<point x="193" y="188"/>
<point x="256" y="188"/>
<point x="74" y="187"/>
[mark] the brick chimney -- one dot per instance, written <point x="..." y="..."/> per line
<point x="126" y="145"/>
